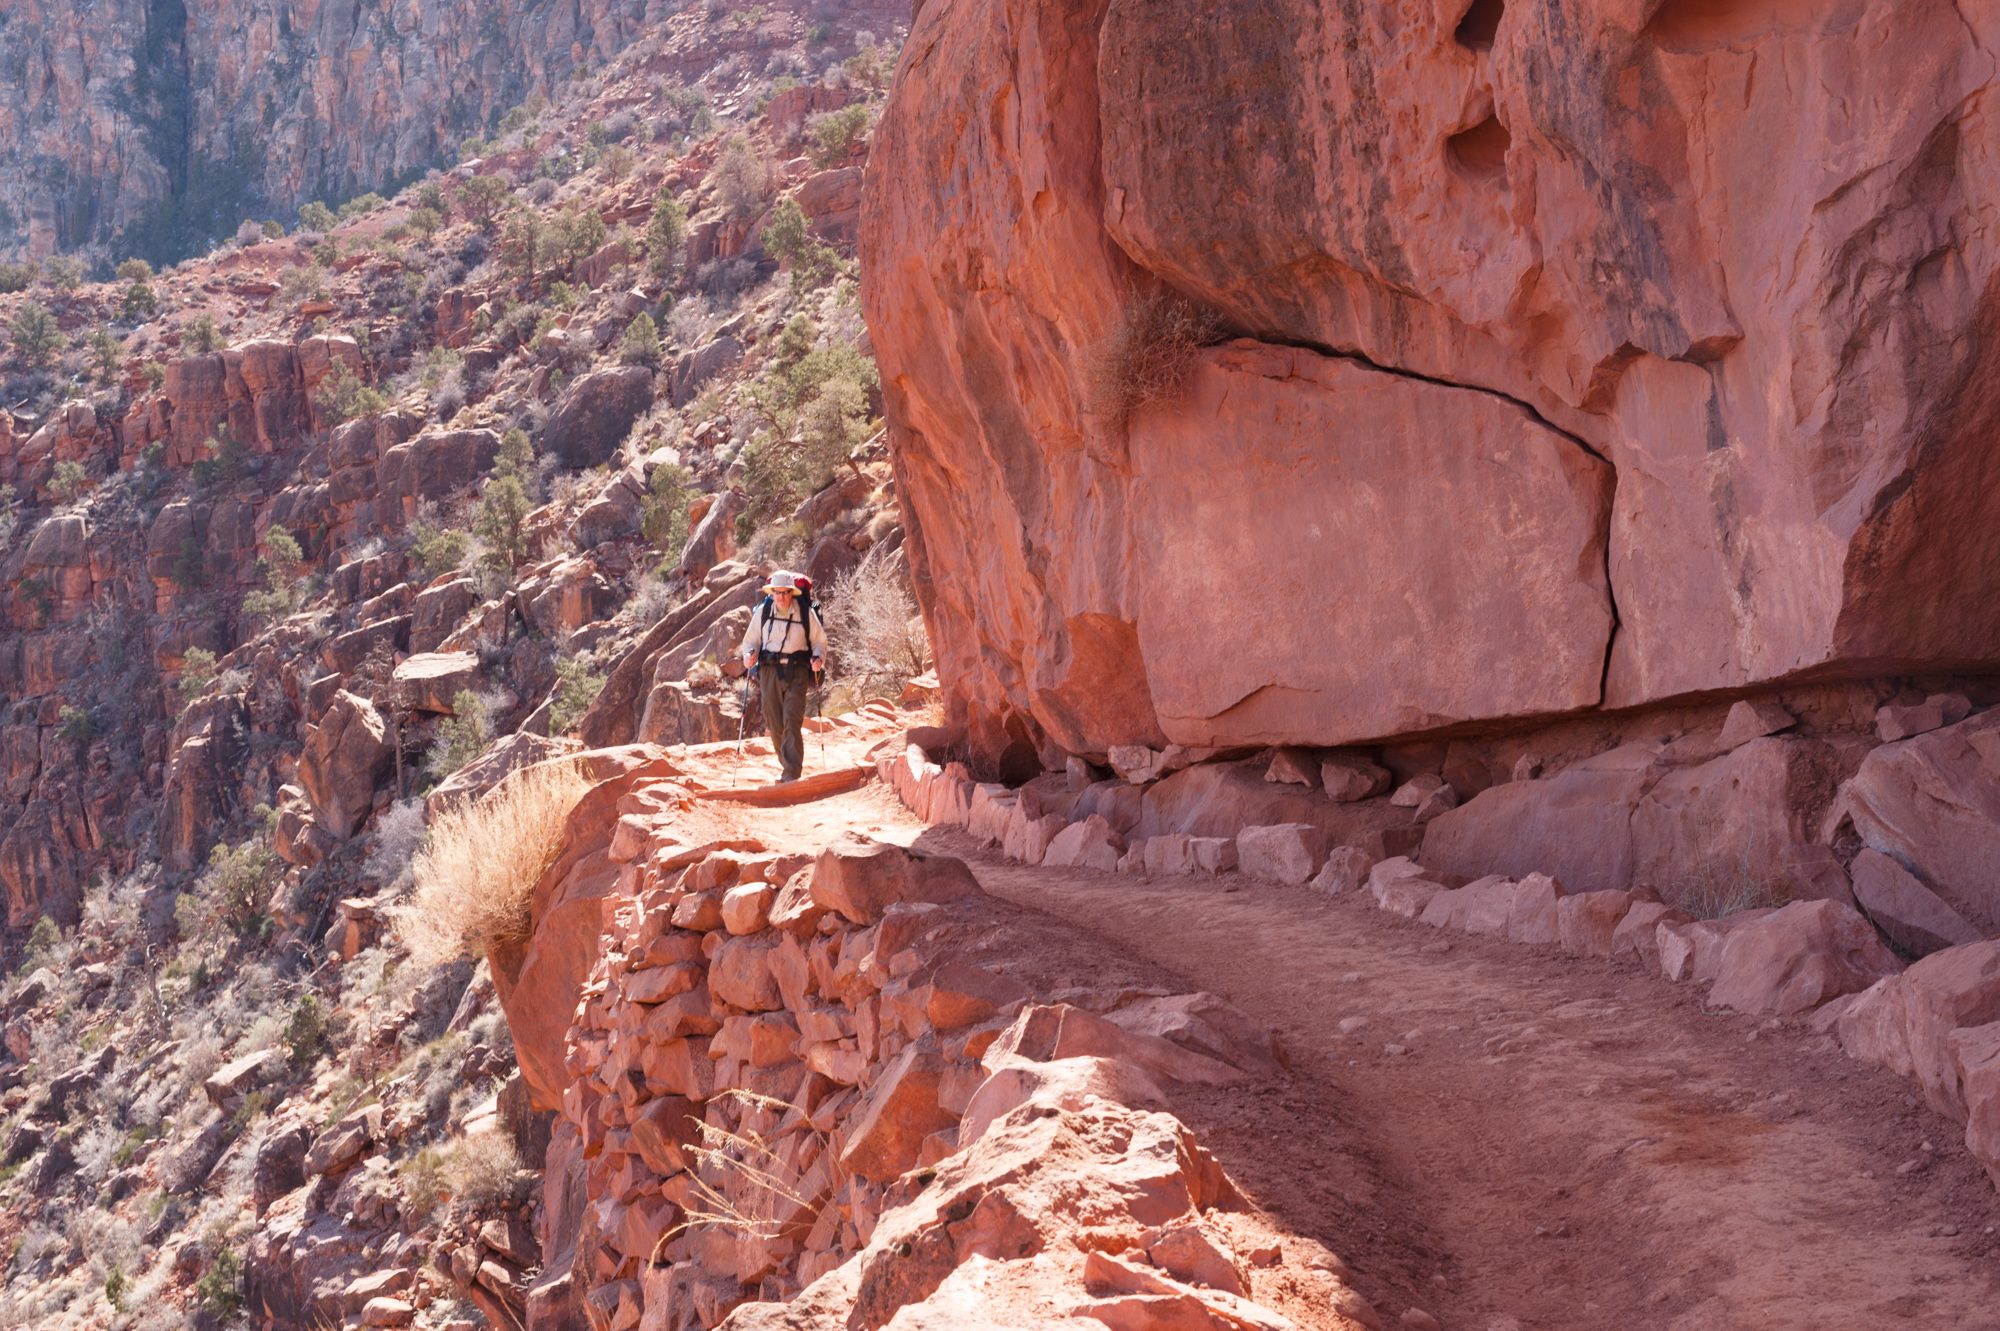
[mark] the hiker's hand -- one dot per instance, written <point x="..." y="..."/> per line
<point x="817" y="667"/>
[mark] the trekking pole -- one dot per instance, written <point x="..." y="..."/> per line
<point x="742" y="723"/>
<point x="818" y="697"/>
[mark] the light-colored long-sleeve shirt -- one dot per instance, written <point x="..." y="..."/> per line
<point x="771" y="631"/>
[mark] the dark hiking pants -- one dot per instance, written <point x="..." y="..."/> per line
<point x="785" y="689"/>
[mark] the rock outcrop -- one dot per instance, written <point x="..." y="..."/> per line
<point x="1548" y="389"/>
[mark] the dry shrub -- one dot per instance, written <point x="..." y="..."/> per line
<point x="479" y="865"/>
<point x="753" y="1180"/>
<point x="873" y="628"/>
<point x="1151" y="354"/>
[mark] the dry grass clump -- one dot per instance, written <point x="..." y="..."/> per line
<point x="1151" y="354"/>
<point x="758" y="1179"/>
<point x="479" y="865"/>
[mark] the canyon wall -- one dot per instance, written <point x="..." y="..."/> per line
<point x="157" y="127"/>
<point x="1590" y="355"/>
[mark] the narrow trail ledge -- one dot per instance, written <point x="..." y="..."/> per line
<point x="1509" y="1138"/>
<point x="1566" y="1142"/>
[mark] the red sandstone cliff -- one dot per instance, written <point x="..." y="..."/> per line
<point x="158" y="126"/>
<point x="1591" y="355"/>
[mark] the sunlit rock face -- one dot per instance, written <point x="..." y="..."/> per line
<point x="1585" y="354"/>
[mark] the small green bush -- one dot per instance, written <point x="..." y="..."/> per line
<point x="220" y="1289"/>
<point x="345" y="397"/>
<point x="438" y="549"/>
<point x="666" y="233"/>
<point x="577" y="233"/>
<point x="577" y="687"/>
<point x="35" y="336"/>
<point x="482" y="199"/>
<point x="834" y="134"/>
<point x="306" y="1030"/>
<point x="742" y="178"/>
<point x="663" y="520"/>
<point x="203" y="335"/>
<point x="461" y="737"/>
<point x="316" y="216"/>
<point x="198" y="671"/>
<point x="68" y="480"/>
<point x="641" y="344"/>
<point x="75" y="724"/>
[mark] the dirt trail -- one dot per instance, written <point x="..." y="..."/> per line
<point x="1495" y="1132"/>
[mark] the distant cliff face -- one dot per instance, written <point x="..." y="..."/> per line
<point x="154" y="127"/>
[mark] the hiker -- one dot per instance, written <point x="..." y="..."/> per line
<point x="784" y="649"/>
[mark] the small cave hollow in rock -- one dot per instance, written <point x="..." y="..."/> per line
<point x="1481" y="152"/>
<point x="1480" y="25"/>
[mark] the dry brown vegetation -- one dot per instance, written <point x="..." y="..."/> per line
<point x="877" y="635"/>
<point x="481" y="860"/>
<point x="1151" y="354"/>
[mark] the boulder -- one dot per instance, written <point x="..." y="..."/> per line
<point x="1575" y="824"/>
<point x="1723" y="828"/>
<point x="1692" y="949"/>
<point x="1909" y="914"/>
<point x="901" y="1109"/>
<point x="1347" y="778"/>
<point x="1899" y="722"/>
<point x="1812" y="872"/>
<point x="1089" y="844"/>
<point x="279" y="1165"/>
<point x="432" y="681"/>
<point x="740" y="975"/>
<point x="1059" y="1031"/>
<point x="1700" y="833"/>
<point x="1587" y="923"/>
<point x="1798" y="957"/>
<point x="345" y="1142"/>
<point x="596" y="413"/>
<point x="1346" y="870"/>
<point x="747" y="909"/>
<point x="1296" y="767"/>
<point x="1401" y="887"/>
<point x="1283" y="853"/>
<point x="227" y="1086"/>
<point x="1932" y="804"/>
<point x="346" y="755"/>
<point x="434" y="466"/>
<point x="1754" y="718"/>
<point x="507" y="756"/>
<point x="1906" y="1023"/>
<point x="861" y="879"/>
<point x="662" y="1131"/>
<point x="1976" y="1055"/>
<point x="1638" y="934"/>
<point x="1221" y="798"/>
<point x="1139" y="764"/>
<point x="1532" y="917"/>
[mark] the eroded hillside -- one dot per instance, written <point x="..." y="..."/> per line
<point x="339" y="519"/>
